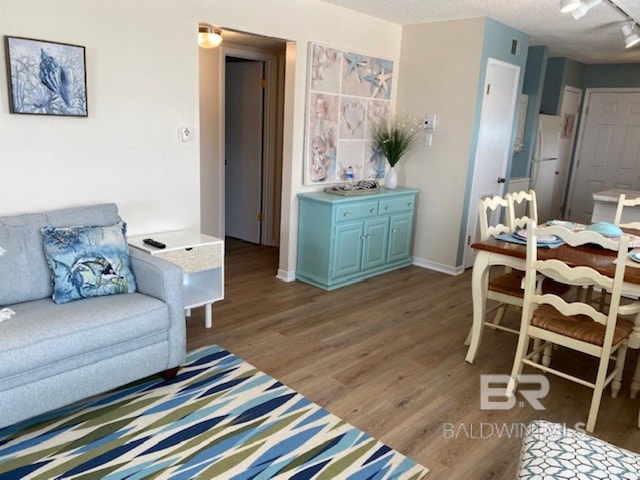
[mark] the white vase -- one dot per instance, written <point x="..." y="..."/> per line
<point x="391" y="180"/>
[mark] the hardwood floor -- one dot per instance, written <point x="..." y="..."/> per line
<point x="387" y="355"/>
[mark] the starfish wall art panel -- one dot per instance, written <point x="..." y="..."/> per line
<point x="348" y="93"/>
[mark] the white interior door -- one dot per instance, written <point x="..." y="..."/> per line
<point x="608" y="155"/>
<point x="569" y="110"/>
<point x="494" y="141"/>
<point x="243" y="149"/>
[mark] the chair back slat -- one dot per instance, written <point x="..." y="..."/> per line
<point x="622" y="203"/>
<point x="578" y="276"/>
<point x="489" y="209"/>
<point x="571" y="308"/>
<point x="526" y="199"/>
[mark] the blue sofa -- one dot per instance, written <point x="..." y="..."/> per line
<point x="54" y="354"/>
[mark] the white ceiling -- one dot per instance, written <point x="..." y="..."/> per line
<point x="595" y="38"/>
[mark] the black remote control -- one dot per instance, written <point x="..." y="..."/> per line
<point x="154" y="243"/>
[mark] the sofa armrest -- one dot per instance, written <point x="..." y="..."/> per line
<point x="163" y="280"/>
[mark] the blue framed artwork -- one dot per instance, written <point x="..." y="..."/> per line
<point x="46" y="78"/>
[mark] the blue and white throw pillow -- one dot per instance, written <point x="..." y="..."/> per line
<point x="88" y="261"/>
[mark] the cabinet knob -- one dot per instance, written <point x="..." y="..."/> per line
<point x="393" y="230"/>
<point x="373" y="210"/>
<point x="368" y="235"/>
<point x="387" y="207"/>
<point x="362" y="237"/>
<point x="346" y="214"/>
<point x="409" y="204"/>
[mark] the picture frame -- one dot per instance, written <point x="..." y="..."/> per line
<point x="45" y="77"/>
<point x="347" y="94"/>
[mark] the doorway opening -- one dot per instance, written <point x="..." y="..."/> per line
<point x="244" y="139"/>
<point x="253" y="117"/>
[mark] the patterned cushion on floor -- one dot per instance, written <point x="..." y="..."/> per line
<point x="551" y="451"/>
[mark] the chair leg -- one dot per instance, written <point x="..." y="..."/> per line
<point x="617" y="379"/>
<point x="521" y="351"/>
<point x="500" y="314"/>
<point x="536" y="345"/>
<point x="546" y="355"/>
<point x="597" y="394"/>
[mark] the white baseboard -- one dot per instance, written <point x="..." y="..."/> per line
<point x="286" y="275"/>
<point x="438" y="267"/>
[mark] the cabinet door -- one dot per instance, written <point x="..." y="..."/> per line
<point x="374" y="246"/>
<point x="400" y="237"/>
<point x="347" y="251"/>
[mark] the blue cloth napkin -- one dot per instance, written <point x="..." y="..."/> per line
<point x="511" y="238"/>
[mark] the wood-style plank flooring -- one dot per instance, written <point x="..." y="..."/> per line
<point x="387" y="355"/>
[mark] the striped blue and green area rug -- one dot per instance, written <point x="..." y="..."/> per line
<point x="219" y="418"/>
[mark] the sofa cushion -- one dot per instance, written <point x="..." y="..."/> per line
<point x="24" y="272"/>
<point x="45" y="339"/>
<point x="88" y="261"/>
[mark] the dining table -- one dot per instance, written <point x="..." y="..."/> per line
<point x="492" y="252"/>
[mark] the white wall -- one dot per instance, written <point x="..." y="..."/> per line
<point x="142" y="85"/>
<point x="142" y="63"/>
<point x="440" y="66"/>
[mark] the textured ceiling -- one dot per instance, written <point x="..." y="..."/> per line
<point x="595" y="38"/>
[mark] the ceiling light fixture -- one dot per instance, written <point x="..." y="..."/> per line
<point x="209" y="37"/>
<point x="579" y="9"/>
<point x="584" y="7"/>
<point x="567" y="6"/>
<point x="631" y="38"/>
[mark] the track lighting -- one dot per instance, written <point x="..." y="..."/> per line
<point x="579" y="9"/>
<point x="631" y="38"/>
<point x="209" y="37"/>
<point x="584" y="7"/>
<point x="567" y="6"/>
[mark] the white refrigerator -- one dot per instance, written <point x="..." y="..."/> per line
<point x="544" y="166"/>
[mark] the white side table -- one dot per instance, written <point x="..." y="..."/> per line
<point x="201" y="258"/>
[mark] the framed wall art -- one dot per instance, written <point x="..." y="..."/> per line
<point x="347" y="93"/>
<point x="46" y="78"/>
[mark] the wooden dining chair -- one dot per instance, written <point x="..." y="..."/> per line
<point x="622" y="203"/>
<point x="575" y="325"/>
<point x="505" y="287"/>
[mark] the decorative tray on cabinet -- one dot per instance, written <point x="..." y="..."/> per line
<point x="363" y="187"/>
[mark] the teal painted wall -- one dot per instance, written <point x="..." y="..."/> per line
<point x="532" y="86"/>
<point x="573" y="74"/>
<point x="552" y="86"/>
<point x="496" y="44"/>
<point x="618" y="75"/>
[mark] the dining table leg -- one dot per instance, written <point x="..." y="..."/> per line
<point x="479" y="283"/>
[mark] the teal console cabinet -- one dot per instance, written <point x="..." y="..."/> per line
<point x="345" y="239"/>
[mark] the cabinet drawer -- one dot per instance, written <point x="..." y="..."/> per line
<point x="393" y="205"/>
<point x="195" y="259"/>
<point x="356" y="210"/>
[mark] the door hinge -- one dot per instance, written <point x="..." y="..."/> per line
<point x="263" y="83"/>
<point x="261" y="217"/>
<point x="488" y="88"/>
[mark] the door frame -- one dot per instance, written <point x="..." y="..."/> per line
<point x="271" y="192"/>
<point x="578" y="146"/>
<point x="471" y="224"/>
<point x="572" y="149"/>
